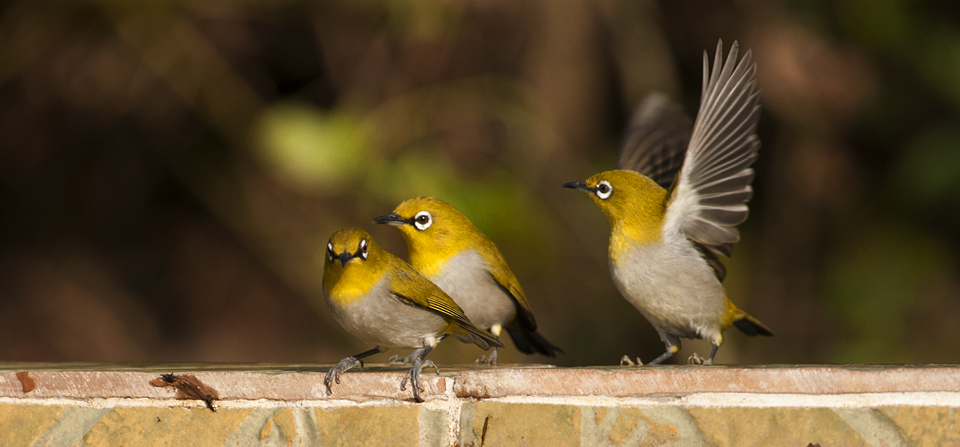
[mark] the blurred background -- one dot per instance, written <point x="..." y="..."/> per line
<point x="170" y="171"/>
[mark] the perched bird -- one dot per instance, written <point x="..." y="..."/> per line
<point x="384" y="301"/>
<point x="446" y="247"/>
<point x="675" y="201"/>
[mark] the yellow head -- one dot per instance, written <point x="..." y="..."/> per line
<point x="634" y="204"/>
<point x="354" y="264"/>
<point x="434" y="231"/>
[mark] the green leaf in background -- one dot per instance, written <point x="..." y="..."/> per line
<point x="313" y="150"/>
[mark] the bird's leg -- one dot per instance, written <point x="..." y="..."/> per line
<point x="414" y="374"/>
<point x="334" y="374"/>
<point x="673" y="346"/>
<point x="492" y="359"/>
<point x="713" y="352"/>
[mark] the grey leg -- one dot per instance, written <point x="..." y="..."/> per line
<point x="713" y="352"/>
<point x="414" y="374"/>
<point x="673" y="346"/>
<point x="334" y="374"/>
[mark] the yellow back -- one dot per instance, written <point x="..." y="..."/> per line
<point x="450" y="233"/>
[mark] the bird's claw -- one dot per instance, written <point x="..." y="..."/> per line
<point x="397" y="360"/>
<point x="625" y="361"/>
<point x="333" y="375"/>
<point x="695" y="359"/>
<point x="414" y="377"/>
<point x="487" y="360"/>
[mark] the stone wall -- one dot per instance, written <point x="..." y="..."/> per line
<point x="503" y="406"/>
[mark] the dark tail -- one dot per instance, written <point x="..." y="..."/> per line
<point x="529" y="342"/>
<point x="751" y="326"/>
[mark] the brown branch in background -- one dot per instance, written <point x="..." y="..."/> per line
<point x="188" y="387"/>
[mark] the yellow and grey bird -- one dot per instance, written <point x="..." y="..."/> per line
<point x="445" y="246"/>
<point x="674" y="202"/>
<point x="384" y="301"/>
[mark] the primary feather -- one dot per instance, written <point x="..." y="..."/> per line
<point x="710" y="196"/>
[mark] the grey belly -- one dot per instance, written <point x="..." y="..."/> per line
<point x="466" y="280"/>
<point x="383" y="320"/>
<point x="673" y="288"/>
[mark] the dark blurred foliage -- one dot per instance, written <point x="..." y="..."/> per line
<point x="170" y="170"/>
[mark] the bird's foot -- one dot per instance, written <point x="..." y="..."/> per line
<point x="695" y="359"/>
<point x="333" y="376"/>
<point x="414" y="377"/>
<point x="488" y="360"/>
<point x="396" y="359"/>
<point x="625" y="361"/>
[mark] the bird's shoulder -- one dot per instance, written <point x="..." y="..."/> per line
<point x="411" y="287"/>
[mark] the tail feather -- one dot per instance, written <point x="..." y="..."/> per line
<point x="529" y="342"/>
<point x="751" y="326"/>
<point x="468" y="333"/>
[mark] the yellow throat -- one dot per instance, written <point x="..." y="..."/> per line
<point x="366" y="265"/>
<point x="635" y="206"/>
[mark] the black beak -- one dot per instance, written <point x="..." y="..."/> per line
<point x="344" y="258"/>
<point x="582" y="186"/>
<point x="392" y="219"/>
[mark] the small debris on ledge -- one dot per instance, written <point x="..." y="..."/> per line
<point x="26" y="381"/>
<point x="188" y="387"/>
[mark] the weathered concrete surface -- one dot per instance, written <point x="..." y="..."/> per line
<point x="682" y="380"/>
<point x="506" y="406"/>
<point x="230" y="385"/>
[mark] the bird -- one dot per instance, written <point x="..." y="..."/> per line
<point x="447" y="247"/>
<point x="384" y="301"/>
<point x="675" y="201"/>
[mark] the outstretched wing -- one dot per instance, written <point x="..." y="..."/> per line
<point x="656" y="139"/>
<point x="709" y="199"/>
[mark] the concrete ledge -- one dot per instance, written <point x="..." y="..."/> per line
<point x="50" y="404"/>
<point x="685" y="380"/>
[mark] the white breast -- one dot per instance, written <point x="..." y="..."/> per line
<point x="673" y="287"/>
<point x="465" y="278"/>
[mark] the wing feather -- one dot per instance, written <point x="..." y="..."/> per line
<point x="413" y="288"/>
<point x="656" y="140"/>
<point x="713" y="186"/>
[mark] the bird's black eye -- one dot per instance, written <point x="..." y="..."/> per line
<point x="604" y="189"/>
<point x="330" y="255"/>
<point x="422" y="220"/>
<point x="364" y="250"/>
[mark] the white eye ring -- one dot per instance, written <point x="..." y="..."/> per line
<point x="330" y="251"/>
<point x="604" y="190"/>
<point x="364" y="251"/>
<point x="423" y="220"/>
